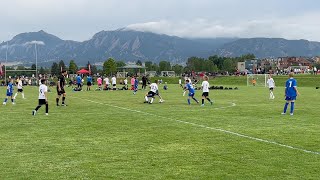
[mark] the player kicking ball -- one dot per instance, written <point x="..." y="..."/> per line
<point x="9" y="92"/>
<point x="152" y="92"/>
<point x="291" y="93"/>
<point x="191" y="90"/>
<point x="43" y="97"/>
<point x="205" y="90"/>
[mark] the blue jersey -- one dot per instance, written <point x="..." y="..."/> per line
<point x="10" y="88"/>
<point x="290" y="87"/>
<point x="136" y="83"/>
<point x="89" y="79"/>
<point x="190" y="88"/>
<point x="78" y="79"/>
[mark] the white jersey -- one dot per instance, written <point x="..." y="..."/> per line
<point x="180" y="81"/>
<point x="154" y="87"/>
<point x="271" y="83"/>
<point x="205" y="86"/>
<point x="114" y="80"/>
<point x="42" y="90"/>
<point x="19" y="84"/>
<point x="106" y="80"/>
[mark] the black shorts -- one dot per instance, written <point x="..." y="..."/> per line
<point x="60" y="92"/>
<point x="89" y="83"/>
<point x="114" y="85"/>
<point x="151" y="94"/>
<point x="271" y="89"/>
<point x="20" y="90"/>
<point x="42" y="102"/>
<point x="205" y="94"/>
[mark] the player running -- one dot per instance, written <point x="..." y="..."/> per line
<point x="9" y="92"/>
<point x="43" y="97"/>
<point x="60" y="88"/>
<point x="205" y="90"/>
<point x="136" y="84"/>
<point x="152" y="92"/>
<point x="271" y="85"/>
<point x="20" y="89"/>
<point x="191" y="90"/>
<point x="291" y="93"/>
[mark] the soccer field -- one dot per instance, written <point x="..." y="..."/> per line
<point x="114" y="135"/>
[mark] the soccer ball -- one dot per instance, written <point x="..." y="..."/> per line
<point x="161" y="101"/>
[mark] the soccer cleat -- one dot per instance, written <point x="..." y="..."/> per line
<point x="291" y="114"/>
<point x="47" y="114"/>
<point x="4" y="103"/>
<point x="58" y="105"/>
<point x="34" y="112"/>
<point x="64" y="105"/>
<point x="211" y="103"/>
<point x="202" y="105"/>
<point x="283" y="113"/>
<point x="13" y="103"/>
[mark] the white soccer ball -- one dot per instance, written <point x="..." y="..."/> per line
<point x="161" y="101"/>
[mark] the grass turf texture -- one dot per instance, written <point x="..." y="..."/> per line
<point x="93" y="139"/>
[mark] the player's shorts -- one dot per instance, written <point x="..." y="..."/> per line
<point x="291" y="98"/>
<point x="42" y="102"/>
<point x="114" y="85"/>
<point x="9" y="94"/>
<point x="151" y="94"/>
<point x="271" y="89"/>
<point x="205" y="94"/>
<point x="191" y="94"/>
<point x="89" y="83"/>
<point x="60" y="92"/>
<point x="20" y="90"/>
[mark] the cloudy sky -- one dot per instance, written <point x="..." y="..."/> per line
<point x="81" y="19"/>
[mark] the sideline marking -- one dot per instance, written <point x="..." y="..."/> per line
<point x="207" y="127"/>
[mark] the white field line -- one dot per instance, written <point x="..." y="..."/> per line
<point x="207" y="127"/>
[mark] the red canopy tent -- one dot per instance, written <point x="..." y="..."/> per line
<point x="83" y="71"/>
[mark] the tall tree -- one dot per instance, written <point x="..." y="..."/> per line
<point x="178" y="69"/>
<point x="73" y="67"/>
<point x="120" y="64"/>
<point x="139" y="63"/>
<point x="110" y="66"/>
<point x="55" y="70"/>
<point x="33" y="67"/>
<point x="148" y="65"/>
<point x="62" y="65"/>
<point x="164" y="66"/>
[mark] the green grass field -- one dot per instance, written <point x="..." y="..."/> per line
<point x="114" y="135"/>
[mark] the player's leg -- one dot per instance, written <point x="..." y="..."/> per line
<point x="202" y="99"/>
<point x="292" y="107"/>
<point x="12" y="99"/>
<point x="64" y="98"/>
<point x="22" y="93"/>
<point x="16" y="94"/>
<point x="5" y="100"/>
<point x="286" y="105"/>
<point x="58" y="98"/>
<point x="34" y="112"/>
<point x="194" y="98"/>
<point x="146" y="98"/>
<point x="47" y="108"/>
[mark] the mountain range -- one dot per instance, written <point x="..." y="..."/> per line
<point x="130" y="45"/>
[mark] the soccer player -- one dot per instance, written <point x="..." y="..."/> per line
<point x="136" y="84"/>
<point x="132" y="82"/>
<point x="180" y="83"/>
<point x="205" y="90"/>
<point x="271" y="85"/>
<point x="114" y="82"/>
<point x="20" y="89"/>
<point x="60" y="88"/>
<point x="291" y="93"/>
<point x="9" y="92"/>
<point x="144" y="82"/>
<point x="191" y="90"/>
<point x="125" y="81"/>
<point x="254" y="82"/>
<point x="89" y="82"/>
<point x="106" y="80"/>
<point x="152" y="92"/>
<point x="99" y="81"/>
<point x="43" y="97"/>
<point x="79" y="81"/>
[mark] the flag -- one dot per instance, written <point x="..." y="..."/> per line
<point x="1" y="69"/>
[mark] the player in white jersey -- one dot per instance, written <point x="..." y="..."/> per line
<point x="152" y="92"/>
<point x="205" y="90"/>
<point x="106" y="80"/>
<point x="20" y="89"/>
<point x="114" y="82"/>
<point x="43" y="97"/>
<point x="271" y="85"/>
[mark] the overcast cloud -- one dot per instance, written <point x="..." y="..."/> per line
<point x="81" y="19"/>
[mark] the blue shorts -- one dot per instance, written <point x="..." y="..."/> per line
<point x="191" y="94"/>
<point x="291" y="98"/>
<point x="9" y="94"/>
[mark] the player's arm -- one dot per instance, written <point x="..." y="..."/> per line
<point x="46" y="95"/>
<point x="296" y="89"/>
<point x="59" y="87"/>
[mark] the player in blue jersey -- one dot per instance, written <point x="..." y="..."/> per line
<point x="79" y="81"/>
<point x="291" y="93"/>
<point x="136" y="84"/>
<point x="9" y="92"/>
<point x="191" y="90"/>
<point x="89" y="82"/>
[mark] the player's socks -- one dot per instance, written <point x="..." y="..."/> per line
<point x="292" y="108"/>
<point x="195" y="100"/>
<point x="12" y="100"/>
<point x="151" y="101"/>
<point x="22" y="95"/>
<point x="57" y="100"/>
<point x="15" y="95"/>
<point x="202" y="101"/>
<point x="146" y="98"/>
<point x="5" y="100"/>
<point x="37" y="108"/>
<point x="285" y="107"/>
<point x="63" y="99"/>
<point x="189" y="101"/>
<point x="47" y="109"/>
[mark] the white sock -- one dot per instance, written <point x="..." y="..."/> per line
<point x="151" y="101"/>
<point x="23" y="95"/>
<point x="146" y="98"/>
<point x="15" y="95"/>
